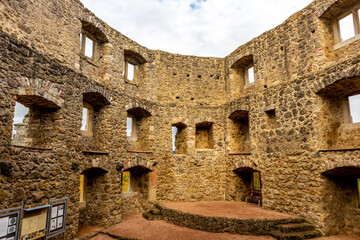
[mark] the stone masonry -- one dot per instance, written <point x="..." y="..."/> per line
<point x="290" y="124"/>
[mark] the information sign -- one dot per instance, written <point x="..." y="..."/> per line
<point x="57" y="218"/>
<point x="10" y="221"/>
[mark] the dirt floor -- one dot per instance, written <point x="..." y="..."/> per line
<point x="136" y="226"/>
<point x="88" y="231"/>
<point x="239" y="210"/>
<point x="339" y="237"/>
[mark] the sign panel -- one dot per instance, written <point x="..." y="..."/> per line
<point x="10" y="220"/>
<point x="34" y="223"/>
<point x="125" y="182"/>
<point x="57" y="218"/>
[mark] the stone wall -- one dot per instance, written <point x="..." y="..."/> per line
<point x="296" y="131"/>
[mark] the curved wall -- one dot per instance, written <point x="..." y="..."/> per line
<point x="293" y="64"/>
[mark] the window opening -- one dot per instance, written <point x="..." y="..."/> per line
<point x="125" y="182"/>
<point x="204" y="136"/>
<point x="19" y="116"/>
<point x="89" y="45"/>
<point x="250" y="75"/>
<point x="130" y="72"/>
<point x="347" y="29"/>
<point x="178" y="131"/>
<point x="270" y="119"/>
<point x="354" y="103"/>
<point x="173" y="133"/>
<point x="129" y="126"/>
<point x="87" y="118"/>
<point x="81" y="188"/>
<point x="84" y="119"/>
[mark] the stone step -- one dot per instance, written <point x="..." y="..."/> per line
<point x="153" y="214"/>
<point x="295" y="235"/>
<point x="296" y="227"/>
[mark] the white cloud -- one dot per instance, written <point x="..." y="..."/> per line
<point x="194" y="27"/>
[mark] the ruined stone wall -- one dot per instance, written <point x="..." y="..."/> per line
<point x="297" y="76"/>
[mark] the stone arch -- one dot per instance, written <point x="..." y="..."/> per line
<point x="340" y="168"/>
<point x="99" y="93"/>
<point x="96" y="99"/>
<point x="204" y="120"/>
<point x="244" y="164"/>
<point x="139" y="108"/>
<point x="243" y="61"/>
<point x="180" y="121"/>
<point x="135" y="56"/>
<point x="332" y="8"/>
<point x="136" y="181"/>
<point x="93" y="182"/>
<point x="239" y="114"/>
<point x="39" y="92"/>
<point x="334" y="79"/>
<point x="249" y="183"/>
<point x="147" y="166"/>
<point x="95" y="26"/>
<point x="94" y="171"/>
<point x="342" y="183"/>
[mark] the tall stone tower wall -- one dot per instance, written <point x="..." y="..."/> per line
<point x="290" y="124"/>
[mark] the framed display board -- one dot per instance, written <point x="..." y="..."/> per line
<point x="56" y="218"/>
<point x="10" y="223"/>
<point x="34" y="222"/>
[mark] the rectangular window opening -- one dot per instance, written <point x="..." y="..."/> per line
<point x="84" y="119"/>
<point x="81" y="188"/>
<point x="251" y="75"/>
<point x="18" y="122"/>
<point x="130" y="72"/>
<point x="204" y="136"/>
<point x="270" y="119"/>
<point x="89" y="45"/>
<point x="347" y="29"/>
<point x="174" y="131"/>
<point x="129" y="127"/>
<point x="125" y="183"/>
<point x="354" y="103"/>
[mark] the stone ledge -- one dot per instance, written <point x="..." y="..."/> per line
<point x="338" y="150"/>
<point x="241" y="153"/>
<point x="223" y="224"/>
<point x="33" y="148"/>
<point x="138" y="151"/>
<point x="95" y="152"/>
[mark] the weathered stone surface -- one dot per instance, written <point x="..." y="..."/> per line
<point x="298" y="74"/>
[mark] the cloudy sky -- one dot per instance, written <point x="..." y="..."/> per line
<point x="194" y="27"/>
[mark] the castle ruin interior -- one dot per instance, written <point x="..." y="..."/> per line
<point x="117" y="127"/>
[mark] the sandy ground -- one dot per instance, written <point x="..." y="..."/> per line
<point x="239" y="210"/>
<point x="88" y="231"/>
<point x="136" y="226"/>
<point x="340" y="237"/>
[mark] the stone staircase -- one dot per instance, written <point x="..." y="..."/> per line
<point x="291" y="231"/>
